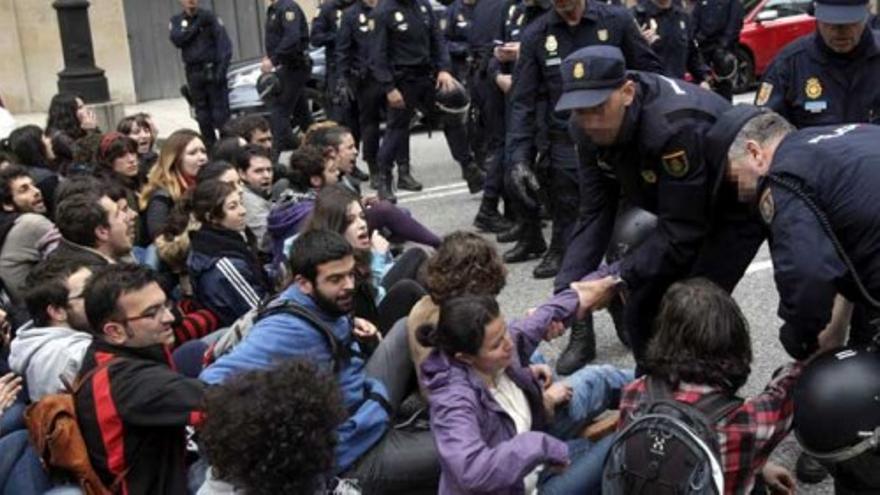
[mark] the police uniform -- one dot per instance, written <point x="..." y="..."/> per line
<point x="287" y="45"/>
<point x="408" y="51"/>
<point x="675" y="45"/>
<point x="811" y="85"/>
<point x="456" y="26"/>
<point x="659" y="164"/>
<point x="206" y="52"/>
<point x="545" y="43"/>
<point x="717" y="24"/>
<point x="325" y="26"/>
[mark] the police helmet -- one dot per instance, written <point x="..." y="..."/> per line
<point x="725" y="64"/>
<point x="454" y="101"/>
<point x="631" y="228"/>
<point x="837" y="406"/>
<point x="269" y="86"/>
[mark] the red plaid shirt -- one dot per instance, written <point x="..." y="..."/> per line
<point x="748" y="435"/>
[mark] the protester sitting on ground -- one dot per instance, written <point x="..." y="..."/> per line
<point x="32" y="149"/>
<point x="49" y="350"/>
<point x="385" y="289"/>
<point x="465" y="263"/>
<point x="254" y="129"/>
<point x="478" y="381"/>
<point x="226" y="275"/>
<point x="272" y="431"/>
<point x="141" y="128"/>
<point x="701" y="346"/>
<point x="254" y="165"/>
<point x="133" y="408"/>
<point x="96" y="228"/>
<point x="182" y="156"/>
<point x="117" y="161"/>
<point x="226" y="149"/>
<point x="26" y="235"/>
<point x="337" y="144"/>
<point x="68" y="125"/>
<point x="379" y="458"/>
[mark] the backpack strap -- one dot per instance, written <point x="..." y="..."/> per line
<point x="718" y="405"/>
<point x="73" y="388"/>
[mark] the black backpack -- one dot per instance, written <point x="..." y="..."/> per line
<point x="669" y="448"/>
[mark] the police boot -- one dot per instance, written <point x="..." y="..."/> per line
<point x="549" y="266"/>
<point x="581" y="347"/>
<point x="474" y="177"/>
<point x="488" y="219"/>
<point x="374" y="175"/>
<point x="809" y="470"/>
<point x="386" y="189"/>
<point x="529" y="246"/>
<point x="512" y="234"/>
<point x="359" y="174"/>
<point x="405" y="181"/>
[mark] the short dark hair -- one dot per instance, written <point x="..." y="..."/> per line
<point x="273" y="431"/>
<point x="87" y="184"/>
<point x="462" y="325"/>
<point x="208" y="198"/>
<point x="246" y="153"/>
<point x="225" y="149"/>
<point x="213" y="170"/>
<point x="305" y="163"/>
<point x="26" y="143"/>
<point x="112" y="146"/>
<point x="464" y="263"/>
<point x="107" y="285"/>
<point x="326" y="136"/>
<point x="7" y="176"/>
<point x="314" y="248"/>
<point x="46" y="285"/>
<point x="247" y="125"/>
<point x="78" y="215"/>
<point x="700" y="336"/>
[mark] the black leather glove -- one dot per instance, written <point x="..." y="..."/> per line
<point x="525" y="184"/>
<point x="796" y="344"/>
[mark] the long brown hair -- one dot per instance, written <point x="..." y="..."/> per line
<point x="166" y="173"/>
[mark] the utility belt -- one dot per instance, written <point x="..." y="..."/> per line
<point x="302" y="61"/>
<point x="412" y="72"/>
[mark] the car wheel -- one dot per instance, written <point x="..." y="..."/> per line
<point x="745" y="71"/>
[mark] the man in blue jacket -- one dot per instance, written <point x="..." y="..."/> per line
<point x="381" y="459"/>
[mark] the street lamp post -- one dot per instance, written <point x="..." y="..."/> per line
<point x="80" y="76"/>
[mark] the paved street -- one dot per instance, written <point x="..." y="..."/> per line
<point x="445" y="205"/>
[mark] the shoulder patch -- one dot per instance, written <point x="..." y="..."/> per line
<point x="676" y="163"/>
<point x="766" y="206"/>
<point x="764" y="93"/>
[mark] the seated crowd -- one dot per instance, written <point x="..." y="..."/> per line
<point x="227" y="324"/>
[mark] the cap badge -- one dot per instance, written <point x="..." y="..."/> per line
<point x="813" y="88"/>
<point x="578" y="71"/>
<point x="676" y="164"/>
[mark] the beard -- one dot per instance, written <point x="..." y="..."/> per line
<point x="335" y="306"/>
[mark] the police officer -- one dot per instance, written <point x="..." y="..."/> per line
<point x="717" y="24"/>
<point x="830" y="76"/>
<point x="571" y="24"/>
<point x="669" y="30"/>
<point x="287" y="45"/>
<point x="651" y="154"/>
<point x="325" y="26"/>
<point x="412" y="64"/>
<point x="456" y="25"/>
<point x="206" y="50"/>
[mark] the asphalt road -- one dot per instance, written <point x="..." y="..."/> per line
<point x="445" y="206"/>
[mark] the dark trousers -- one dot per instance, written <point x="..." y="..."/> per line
<point x="289" y="102"/>
<point x="418" y="93"/>
<point x="210" y="100"/>
<point x="564" y="192"/>
<point x="404" y="460"/>
<point x="367" y="111"/>
<point x="488" y="129"/>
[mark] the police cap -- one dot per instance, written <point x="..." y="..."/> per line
<point x="590" y="75"/>
<point x="841" y="11"/>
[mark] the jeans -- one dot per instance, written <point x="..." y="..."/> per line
<point x="20" y="470"/>
<point x="584" y="474"/>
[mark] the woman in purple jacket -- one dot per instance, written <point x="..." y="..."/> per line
<point x="500" y="425"/>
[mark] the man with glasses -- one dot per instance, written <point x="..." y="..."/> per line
<point x="133" y="406"/>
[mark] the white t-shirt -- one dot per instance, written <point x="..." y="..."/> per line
<point x="513" y="401"/>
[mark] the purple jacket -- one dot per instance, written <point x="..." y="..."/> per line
<point x="479" y="449"/>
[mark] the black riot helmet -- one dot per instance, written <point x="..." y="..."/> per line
<point x="837" y="412"/>
<point x="454" y="101"/>
<point x="269" y="87"/>
<point x="631" y="228"/>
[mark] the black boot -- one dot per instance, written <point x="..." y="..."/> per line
<point x="405" y="181"/>
<point x="374" y="175"/>
<point x="474" y="178"/>
<point x="809" y="470"/>
<point x="530" y="245"/>
<point x="359" y="174"/>
<point x="386" y="189"/>
<point x="488" y="219"/>
<point x="581" y="347"/>
<point x="510" y="235"/>
<point x="549" y="266"/>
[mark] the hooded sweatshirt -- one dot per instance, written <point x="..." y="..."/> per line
<point x="43" y="355"/>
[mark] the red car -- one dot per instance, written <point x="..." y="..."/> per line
<point x="767" y="28"/>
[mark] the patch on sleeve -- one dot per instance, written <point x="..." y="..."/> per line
<point x="676" y="164"/>
<point x="764" y="93"/>
<point x="766" y="206"/>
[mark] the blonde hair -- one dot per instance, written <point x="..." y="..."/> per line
<point x="166" y="173"/>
